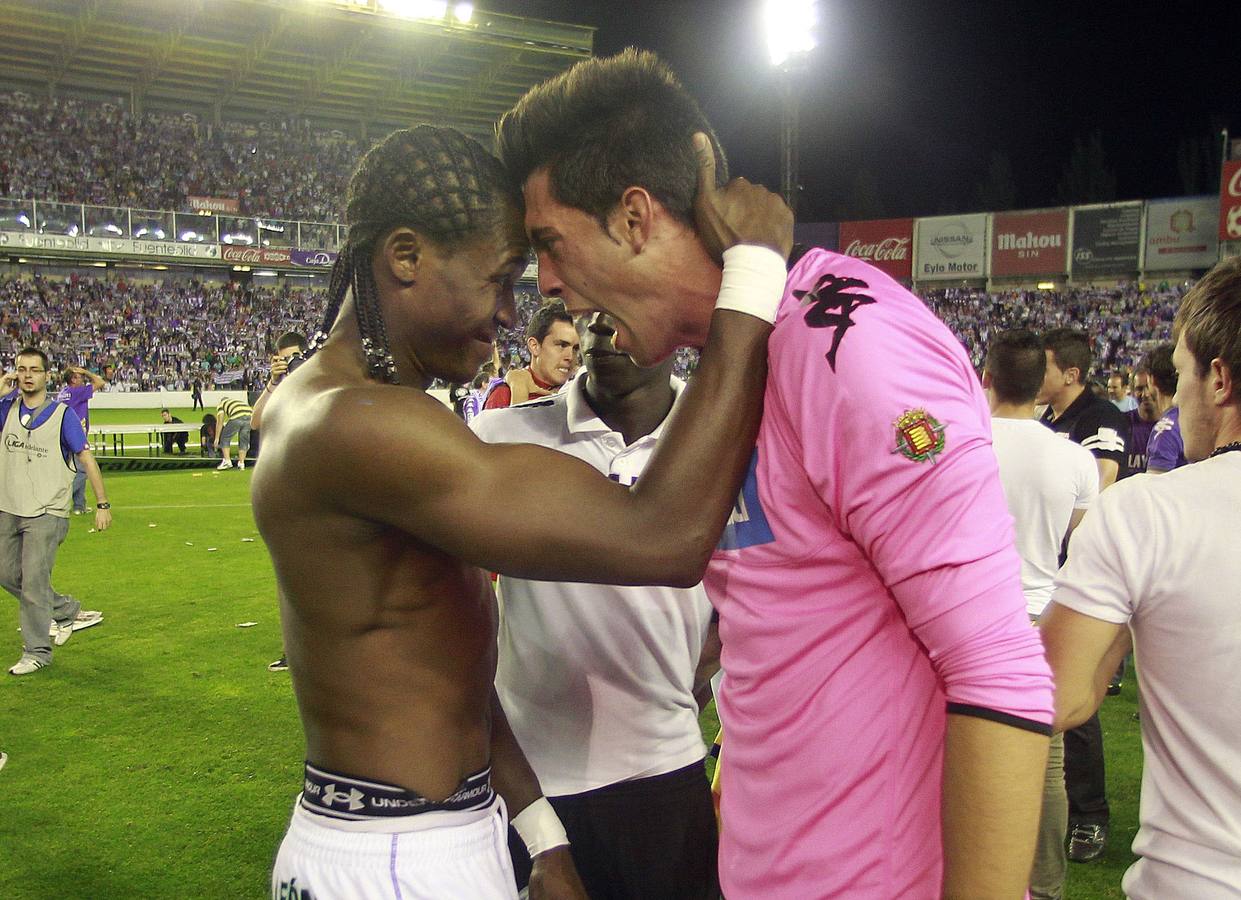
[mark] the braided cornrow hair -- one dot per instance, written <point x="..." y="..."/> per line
<point x="437" y="181"/>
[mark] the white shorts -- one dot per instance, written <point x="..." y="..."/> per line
<point x="430" y="856"/>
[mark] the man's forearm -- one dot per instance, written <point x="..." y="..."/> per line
<point x="87" y="460"/>
<point x="511" y="774"/>
<point x="992" y="798"/>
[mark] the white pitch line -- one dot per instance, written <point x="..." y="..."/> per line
<point x="187" y="506"/>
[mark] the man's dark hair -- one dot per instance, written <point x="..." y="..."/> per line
<point x="1016" y="363"/>
<point x="1122" y="375"/>
<point x="291" y="339"/>
<point x="1209" y="319"/>
<point x="544" y="317"/>
<point x="33" y="351"/>
<point x="165" y="410"/>
<point x="437" y="181"/>
<point x="607" y="124"/>
<point x="1070" y="349"/>
<point x="1158" y="365"/>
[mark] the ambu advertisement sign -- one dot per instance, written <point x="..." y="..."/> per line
<point x="1030" y="243"/>
<point x="951" y="247"/>
<point x="1181" y="234"/>
<point x="1106" y="239"/>
<point x="884" y="243"/>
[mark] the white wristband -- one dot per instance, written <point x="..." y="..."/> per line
<point x="540" y="828"/>
<point x="753" y="281"/>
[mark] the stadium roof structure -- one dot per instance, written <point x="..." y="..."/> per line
<point x="373" y="64"/>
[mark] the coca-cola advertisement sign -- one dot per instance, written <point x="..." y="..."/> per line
<point x="1230" y="202"/>
<point x="1030" y="243"/>
<point x="320" y="259"/>
<point x="256" y="256"/>
<point x="884" y="243"/>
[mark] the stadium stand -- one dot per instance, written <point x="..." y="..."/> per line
<point x="98" y="153"/>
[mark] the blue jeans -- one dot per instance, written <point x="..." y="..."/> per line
<point x="28" y="547"/>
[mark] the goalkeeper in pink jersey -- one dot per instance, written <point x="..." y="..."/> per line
<point x="887" y="704"/>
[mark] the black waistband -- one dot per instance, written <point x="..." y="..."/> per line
<point x="348" y="797"/>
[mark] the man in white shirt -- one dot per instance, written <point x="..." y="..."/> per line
<point x="1049" y="483"/>
<point x="599" y="682"/>
<point x="1159" y="555"/>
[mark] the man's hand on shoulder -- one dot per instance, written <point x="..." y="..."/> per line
<point x="737" y="213"/>
<point x="554" y="877"/>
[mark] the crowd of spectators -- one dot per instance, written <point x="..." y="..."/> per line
<point x="100" y="154"/>
<point x="156" y="334"/>
<point x="164" y="334"/>
<point x="1122" y="322"/>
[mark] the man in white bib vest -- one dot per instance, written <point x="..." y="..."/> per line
<point x="42" y="449"/>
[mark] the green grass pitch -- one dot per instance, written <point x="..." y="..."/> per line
<point x="157" y="757"/>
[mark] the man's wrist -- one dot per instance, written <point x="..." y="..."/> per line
<point x="102" y="504"/>
<point x="539" y="828"/>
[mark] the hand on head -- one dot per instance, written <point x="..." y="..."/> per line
<point x="738" y="212"/>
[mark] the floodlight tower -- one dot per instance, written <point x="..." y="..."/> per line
<point x="790" y="28"/>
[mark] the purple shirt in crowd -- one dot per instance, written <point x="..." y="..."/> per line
<point x="78" y="400"/>
<point x="1165" y="450"/>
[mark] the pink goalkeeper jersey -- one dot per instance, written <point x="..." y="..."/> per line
<point x="866" y="583"/>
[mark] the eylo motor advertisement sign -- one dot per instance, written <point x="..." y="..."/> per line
<point x="886" y="244"/>
<point x="1030" y="243"/>
<point x="1106" y="239"/>
<point x="951" y="248"/>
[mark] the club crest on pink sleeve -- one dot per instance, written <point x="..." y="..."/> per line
<point x="919" y="436"/>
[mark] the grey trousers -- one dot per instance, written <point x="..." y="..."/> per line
<point x="28" y="548"/>
<point x="1050" y="860"/>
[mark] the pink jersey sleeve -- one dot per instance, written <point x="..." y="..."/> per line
<point x="895" y="436"/>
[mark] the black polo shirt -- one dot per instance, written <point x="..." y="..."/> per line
<point x="1097" y="425"/>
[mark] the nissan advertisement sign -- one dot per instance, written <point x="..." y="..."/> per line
<point x="1181" y="234"/>
<point x="1106" y="239"/>
<point x="1030" y="243"/>
<point x="951" y="248"/>
<point x="887" y="244"/>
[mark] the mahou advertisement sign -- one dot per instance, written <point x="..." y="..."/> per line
<point x="1230" y="202"/>
<point x="884" y="243"/>
<point x="1030" y="243"/>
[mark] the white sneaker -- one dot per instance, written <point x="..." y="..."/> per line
<point x="4" y="757"/>
<point x="61" y="632"/>
<point x="225" y="465"/>
<point x="26" y="665"/>
<point x="241" y="465"/>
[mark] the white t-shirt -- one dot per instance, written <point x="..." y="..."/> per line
<point x="597" y="680"/>
<point x="1045" y="478"/>
<point x="1161" y="553"/>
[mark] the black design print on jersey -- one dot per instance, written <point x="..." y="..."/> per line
<point x="831" y="307"/>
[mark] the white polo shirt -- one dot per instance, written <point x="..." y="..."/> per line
<point x="1045" y="479"/>
<point x="1161" y="553"/>
<point x="597" y="680"/>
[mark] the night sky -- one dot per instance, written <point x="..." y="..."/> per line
<point x="906" y="106"/>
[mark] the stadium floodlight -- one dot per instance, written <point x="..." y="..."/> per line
<point x="463" y="12"/>
<point x="790" y="28"/>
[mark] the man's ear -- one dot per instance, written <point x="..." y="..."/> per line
<point x="633" y="220"/>
<point x="986" y="380"/>
<point x="1223" y="385"/>
<point x="532" y="344"/>
<point x="402" y="252"/>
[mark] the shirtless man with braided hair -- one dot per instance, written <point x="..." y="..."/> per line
<point x="381" y="539"/>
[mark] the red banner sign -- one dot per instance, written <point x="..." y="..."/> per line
<point x="256" y="256"/>
<point x="214" y="204"/>
<point x="1030" y="243"/>
<point x="1230" y="202"/>
<point x="884" y="243"/>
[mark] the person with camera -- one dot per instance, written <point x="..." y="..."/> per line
<point x="290" y="351"/>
